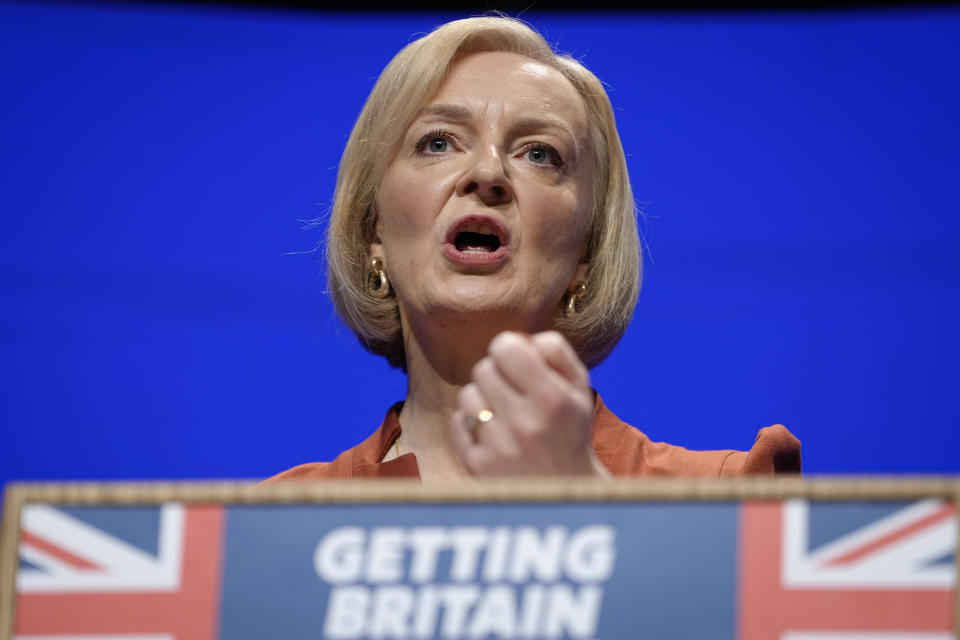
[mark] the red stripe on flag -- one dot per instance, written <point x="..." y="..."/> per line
<point x="51" y="549"/>
<point x="945" y="512"/>
<point x="190" y="613"/>
<point x="766" y="610"/>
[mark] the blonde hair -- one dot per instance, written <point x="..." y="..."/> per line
<point x="411" y="79"/>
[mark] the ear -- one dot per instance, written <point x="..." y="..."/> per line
<point x="376" y="247"/>
<point x="375" y="251"/>
<point x="583" y="265"/>
<point x="579" y="275"/>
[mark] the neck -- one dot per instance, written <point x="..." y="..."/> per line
<point x="440" y="355"/>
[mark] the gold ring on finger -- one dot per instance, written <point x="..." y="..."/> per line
<point x="473" y="420"/>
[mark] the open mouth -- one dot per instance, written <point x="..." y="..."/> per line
<point x="483" y="239"/>
<point x="477" y="241"/>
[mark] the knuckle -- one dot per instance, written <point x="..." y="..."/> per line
<point x="502" y="343"/>
<point x="555" y="340"/>
<point x="482" y="369"/>
<point x="530" y="428"/>
<point x="552" y="340"/>
<point x="551" y="401"/>
<point x="583" y="373"/>
<point x="585" y="403"/>
<point x="529" y="439"/>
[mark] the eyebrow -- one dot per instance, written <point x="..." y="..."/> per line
<point x="451" y="111"/>
<point x="534" y="124"/>
<point x="458" y="113"/>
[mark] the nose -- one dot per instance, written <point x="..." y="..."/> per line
<point x="486" y="177"/>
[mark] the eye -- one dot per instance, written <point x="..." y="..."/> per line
<point x="540" y="153"/>
<point x="434" y="142"/>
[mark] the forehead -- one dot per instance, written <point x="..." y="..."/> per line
<point x="508" y="83"/>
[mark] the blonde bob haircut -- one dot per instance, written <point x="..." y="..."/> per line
<point x="407" y="84"/>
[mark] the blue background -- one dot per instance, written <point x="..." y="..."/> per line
<point x="163" y="314"/>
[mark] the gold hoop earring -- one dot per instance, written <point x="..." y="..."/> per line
<point x="574" y="299"/>
<point x="377" y="283"/>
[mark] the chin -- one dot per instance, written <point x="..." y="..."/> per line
<point x="496" y="313"/>
<point x="469" y="301"/>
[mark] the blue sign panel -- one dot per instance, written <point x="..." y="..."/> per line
<point x="507" y="571"/>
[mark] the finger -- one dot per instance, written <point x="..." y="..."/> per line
<point x="493" y="434"/>
<point x="561" y="357"/>
<point x="470" y="400"/>
<point x="501" y="397"/>
<point x="520" y="365"/>
<point x="463" y="442"/>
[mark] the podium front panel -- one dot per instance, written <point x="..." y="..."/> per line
<point x="725" y="560"/>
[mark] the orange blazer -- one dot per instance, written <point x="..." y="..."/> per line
<point x="623" y="450"/>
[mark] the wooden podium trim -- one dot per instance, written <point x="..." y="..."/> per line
<point x="499" y="490"/>
<point x="9" y="540"/>
<point x="413" y="491"/>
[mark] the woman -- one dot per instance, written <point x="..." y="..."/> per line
<point x="483" y="239"/>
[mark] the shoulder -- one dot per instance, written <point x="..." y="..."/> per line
<point x="775" y="450"/>
<point x="339" y="467"/>
<point x="627" y="451"/>
<point x="362" y="460"/>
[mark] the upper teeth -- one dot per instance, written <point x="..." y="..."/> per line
<point x="477" y="227"/>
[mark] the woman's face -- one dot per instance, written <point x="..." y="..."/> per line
<point x="484" y="209"/>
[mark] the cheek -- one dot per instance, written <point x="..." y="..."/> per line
<point x="397" y="206"/>
<point x="409" y="203"/>
<point x="563" y="225"/>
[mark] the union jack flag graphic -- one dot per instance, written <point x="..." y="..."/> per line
<point x="887" y="577"/>
<point x="80" y="580"/>
<point x="803" y="570"/>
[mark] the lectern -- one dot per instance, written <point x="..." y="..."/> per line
<point x="745" y="559"/>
